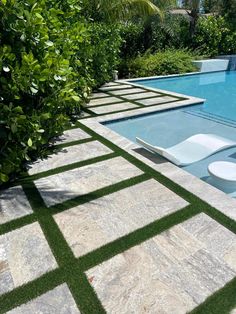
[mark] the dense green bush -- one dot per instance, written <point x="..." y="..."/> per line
<point x="101" y="54"/>
<point x="160" y="63"/>
<point x="213" y="36"/>
<point x="50" y="57"/>
<point x="132" y="40"/>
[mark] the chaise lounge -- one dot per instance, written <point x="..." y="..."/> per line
<point x="193" y="149"/>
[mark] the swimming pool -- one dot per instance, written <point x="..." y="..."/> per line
<point x="217" y="115"/>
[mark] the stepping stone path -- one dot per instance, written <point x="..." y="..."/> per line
<point x="91" y="229"/>
<point x="171" y="273"/>
<point x="63" y="186"/>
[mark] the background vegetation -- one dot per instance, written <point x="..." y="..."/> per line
<point x="53" y="53"/>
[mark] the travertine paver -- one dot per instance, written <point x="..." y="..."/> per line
<point x="156" y="101"/>
<point x="142" y="95"/>
<point x="110" y="88"/>
<point x="69" y="184"/>
<point x="113" y="108"/>
<point x="94" y="224"/>
<point x="99" y="95"/>
<point x="13" y="204"/>
<point x="111" y="84"/>
<point x="72" y="135"/>
<point x="24" y="256"/>
<point x="126" y="91"/>
<point x="171" y="273"/>
<point x="57" y="301"/>
<point x="69" y="155"/>
<point x="103" y="101"/>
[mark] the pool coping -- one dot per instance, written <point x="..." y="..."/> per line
<point x="206" y="192"/>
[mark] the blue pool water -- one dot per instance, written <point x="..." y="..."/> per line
<point x="218" y="88"/>
<point x="217" y="115"/>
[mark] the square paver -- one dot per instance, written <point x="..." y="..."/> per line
<point x="13" y="204"/>
<point x="89" y="226"/>
<point x="110" y="88"/>
<point x="141" y="95"/>
<point x="99" y="95"/>
<point x="69" y="184"/>
<point x="113" y="108"/>
<point x="110" y="84"/>
<point x="24" y="256"/>
<point x="127" y="91"/>
<point x="156" y="101"/>
<point x="104" y="101"/>
<point x="71" y="136"/>
<point x="70" y="155"/>
<point x="171" y="273"/>
<point x="57" y="301"/>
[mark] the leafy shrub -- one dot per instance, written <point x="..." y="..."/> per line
<point x="132" y="40"/>
<point x="171" y="33"/>
<point x="213" y="36"/>
<point x="50" y="57"/>
<point x="161" y="63"/>
<point x="101" y="55"/>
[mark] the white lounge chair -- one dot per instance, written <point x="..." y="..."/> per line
<point x="194" y="148"/>
<point x="223" y="171"/>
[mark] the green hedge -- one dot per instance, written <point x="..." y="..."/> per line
<point x="160" y="63"/>
<point x="50" y="58"/>
<point x="214" y="36"/>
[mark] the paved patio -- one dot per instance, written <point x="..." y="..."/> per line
<point x="91" y="229"/>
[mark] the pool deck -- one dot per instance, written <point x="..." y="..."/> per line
<point x="103" y="226"/>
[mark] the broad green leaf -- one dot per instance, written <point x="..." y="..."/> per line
<point x="3" y="177"/>
<point x="76" y="98"/>
<point x="33" y="90"/>
<point x="30" y="143"/>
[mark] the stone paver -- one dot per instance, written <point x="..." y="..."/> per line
<point x="94" y="224"/>
<point x="110" y="88"/>
<point x="111" y="84"/>
<point x="71" y="136"/>
<point x="24" y="256"/>
<point x="69" y="155"/>
<point x="142" y="95"/>
<point x="84" y="114"/>
<point x="69" y="184"/>
<point x="103" y="101"/>
<point x="156" y="101"/>
<point x="126" y="91"/>
<point x="171" y="273"/>
<point x="99" y="95"/>
<point x="57" y="301"/>
<point x="13" y="204"/>
<point x="113" y="108"/>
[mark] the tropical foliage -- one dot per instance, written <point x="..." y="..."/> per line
<point x="53" y="53"/>
<point x="50" y="57"/>
<point x="161" y="63"/>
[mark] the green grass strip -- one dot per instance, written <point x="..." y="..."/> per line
<point x="17" y="223"/>
<point x="63" y="254"/>
<point x="82" y="199"/>
<point x="71" y="270"/>
<point x="177" y="189"/>
<point x="30" y="290"/>
<point x="68" y="167"/>
<point x="73" y="143"/>
<point x="136" y="237"/>
<point x="221" y="302"/>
